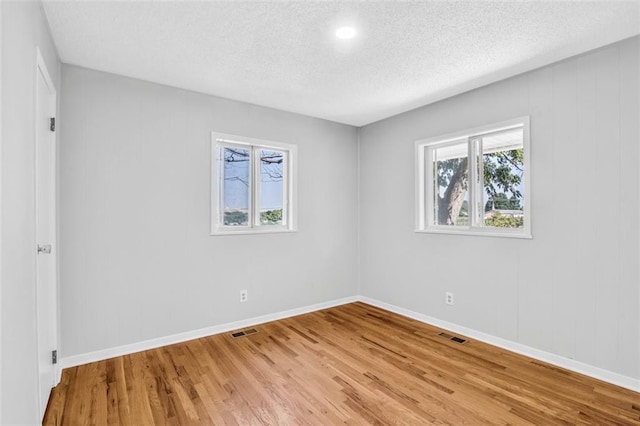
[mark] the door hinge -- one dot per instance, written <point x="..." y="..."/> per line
<point x="46" y="249"/>
<point x="54" y="357"/>
<point x="52" y="125"/>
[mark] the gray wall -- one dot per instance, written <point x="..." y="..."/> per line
<point x="23" y="28"/>
<point x="573" y="289"/>
<point x="137" y="260"/>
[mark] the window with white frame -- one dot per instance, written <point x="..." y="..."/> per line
<point x="475" y="181"/>
<point x="253" y="183"/>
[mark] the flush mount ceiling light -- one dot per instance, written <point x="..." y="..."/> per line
<point x="345" y="33"/>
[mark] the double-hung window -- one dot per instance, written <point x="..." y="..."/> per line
<point x="475" y="181"/>
<point x="253" y="185"/>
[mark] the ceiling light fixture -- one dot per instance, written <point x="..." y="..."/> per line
<point x="345" y="33"/>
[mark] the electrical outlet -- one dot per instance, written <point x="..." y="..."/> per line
<point x="244" y="296"/>
<point x="448" y="298"/>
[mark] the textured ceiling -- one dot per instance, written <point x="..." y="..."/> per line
<point x="285" y="54"/>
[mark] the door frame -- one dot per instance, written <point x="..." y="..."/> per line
<point x="41" y="68"/>
<point x="1" y="228"/>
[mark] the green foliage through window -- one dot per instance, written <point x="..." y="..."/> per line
<point x="235" y="218"/>
<point x="498" y="220"/>
<point x="271" y="217"/>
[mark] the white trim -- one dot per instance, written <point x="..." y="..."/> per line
<point x="420" y="196"/>
<point x="290" y="193"/>
<point x="103" y="354"/>
<point x="1" y="204"/>
<point x="557" y="360"/>
<point x="42" y="67"/>
<point x="243" y="230"/>
<point x="464" y="134"/>
<point x="41" y="70"/>
<point x="476" y="232"/>
<point x="424" y="194"/>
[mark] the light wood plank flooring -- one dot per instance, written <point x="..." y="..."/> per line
<point x="353" y="364"/>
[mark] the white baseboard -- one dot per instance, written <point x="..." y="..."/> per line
<point x="569" y="364"/>
<point x="103" y="354"/>
<point x="559" y="361"/>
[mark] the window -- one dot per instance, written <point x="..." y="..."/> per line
<point x="475" y="181"/>
<point x="252" y="185"/>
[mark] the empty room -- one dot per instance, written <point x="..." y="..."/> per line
<point x="319" y="212"/>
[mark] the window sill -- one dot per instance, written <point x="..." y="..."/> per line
<point x="476" y="233"/>
<point x="251" y="231"/>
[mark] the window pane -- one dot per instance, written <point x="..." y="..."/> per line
<point x="272" y="187"/>
<point x="235" y="186"/>
<point x="503" y="164"/>
<point x="450" y="180"/>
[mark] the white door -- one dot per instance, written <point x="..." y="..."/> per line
<point x="46" y="282"/>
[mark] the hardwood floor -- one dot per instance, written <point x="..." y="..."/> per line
<point x="353" y="364"/>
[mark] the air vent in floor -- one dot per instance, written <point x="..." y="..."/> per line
<point x="246" y="332"/>
<point x="453" y="338"/>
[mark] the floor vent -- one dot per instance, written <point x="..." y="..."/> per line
<point x="246" y="332"/>
<point x="453" y="338"/>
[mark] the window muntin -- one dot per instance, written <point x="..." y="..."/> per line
<point x="252" y="185"/>
<point x="475" y="181"/>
